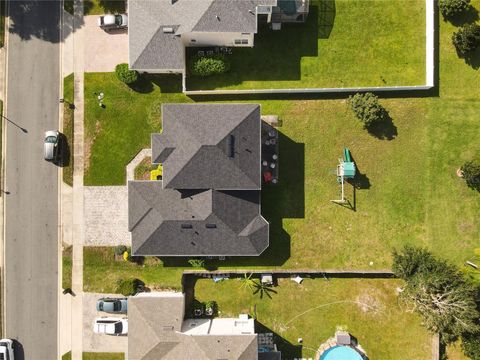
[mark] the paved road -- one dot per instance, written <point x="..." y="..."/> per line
<point x="31" y="207"/>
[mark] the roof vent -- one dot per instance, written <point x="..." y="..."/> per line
<point x="231" y="146"/>
<point x="218" y="17"/>
<point x="186" y="226"/>
<point x="168" y="30"/>
<point x="211" y="226"/>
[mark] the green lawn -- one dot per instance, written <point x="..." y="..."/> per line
<point x="367" y="308"/>
<point x="96" y="356"/>
<point x="68" y="116"/>
<point x="116" y="133"/>
<point x="99" y="7"/>
<point x="67" y="268"/>
<point x="101" y="271"/>
<point x="407" y="192"/>
<point x="345" y="43"/>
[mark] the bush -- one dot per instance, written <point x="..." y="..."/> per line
<point x="196" y="263"/>
<point x="451" y="8"/>
<point x="207" y="66"/>
<point x="367" y="108"/>
<point x="471" y="174"/>
<point x="125" y="75"/>
<point x="471" y="346"/>
<point x="467" y="38"/>
<point x="128" y="287"/>
<point x="120" y="249"/>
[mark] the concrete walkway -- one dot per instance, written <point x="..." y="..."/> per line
<point x="78" y="153"/>
<point x="142" y="154"/>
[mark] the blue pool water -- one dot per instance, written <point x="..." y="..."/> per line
<point x="340" y="353"/>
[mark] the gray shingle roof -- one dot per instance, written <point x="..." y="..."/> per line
<point x="150" y="48"/>
<point x="168" y="222"/>
<point x="209" y="146"/>
<point x="153" y="334"/>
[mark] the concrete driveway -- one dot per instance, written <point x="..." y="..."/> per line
<point x="103" y="51"/>
<point x="99" y="342"/>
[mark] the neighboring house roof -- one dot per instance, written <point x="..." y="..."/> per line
<point x="154" y="334"/>
<point x="148" y="18"/>
<point x="209" y="146"/>
<point x="190" y="223"/>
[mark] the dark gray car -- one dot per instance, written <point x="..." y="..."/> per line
<point x="110" y="305"/>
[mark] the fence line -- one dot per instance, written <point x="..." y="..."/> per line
<point x="429" y="80"/>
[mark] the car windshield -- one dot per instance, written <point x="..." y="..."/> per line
<point x="51" y="139"/>
<point x="118" y="328"/>
<point x="100" y="306"/>
<point x="117" y="306"/>
<point x="118" y="20"/>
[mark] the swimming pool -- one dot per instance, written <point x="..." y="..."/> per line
<point x="340" y="353"/>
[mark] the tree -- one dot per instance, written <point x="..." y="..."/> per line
<point x="451" y="8"/>
<point x="437" y="291"/>
<point x="471" y="345"/>
<point x="367" y="108"/>
<point x="471" y="174"/>
<point x="125" y="75"/>
<point x="467" y="38"/>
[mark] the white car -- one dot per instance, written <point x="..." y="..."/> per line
<point x="110" y="326"/>
<point x="110" y="21"/>
<point x="6" y="349"/>
<point x="51" y="145"/>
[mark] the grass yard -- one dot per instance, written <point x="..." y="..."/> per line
<point x="116" y="133"/>
<point x="100" y="7"/>
<point x="344" y="43"/>
<point x="406" y="192"/>
<point x="68" y="116"/>
<point x="67" y="268"/>
<point x="367" y="308"/>
<point x="101" y="271"/>
<point x="96" y="356"/>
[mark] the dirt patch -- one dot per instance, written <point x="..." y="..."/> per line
<point x="88" y="143"/>
<point x="369" y="304"/>
<point x="142" y="170"/>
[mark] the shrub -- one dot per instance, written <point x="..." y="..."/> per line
<point x="207" y="66"/>
<point x="120" y="249"/>
<point x="467" y="38"/>
<point x="367" y="108"/>
<point x="211" y="308"/>
<point x="128" y="287"/>
<point x="125" y="75"/>
<point x="471" y="174"/>
<point x="471" y="346"/>
<point x="451" y="8"/>
<point x="196" y="263"/>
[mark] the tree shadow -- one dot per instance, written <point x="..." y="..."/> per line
<point x="110" y="6"/>
<point x="287" y="349"/>
<point x="470" y="15"/>
<point x="472" y="58"/>
<point x="280" y="51"/>
<point x="63" y="152"/>
<point x="40" y="19"/>
<point x="384" y="129"/>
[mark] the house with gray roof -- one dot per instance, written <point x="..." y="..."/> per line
<point x="160" y="30"/>
<point x="159" y="331"/>
<point x="208" y="201"/>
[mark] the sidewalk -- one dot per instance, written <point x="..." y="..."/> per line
<point x="78" y="153"/>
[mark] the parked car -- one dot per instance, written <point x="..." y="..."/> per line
<point x="6" y="349"/>
<point x="51" y="145"/>
<point x="110" y="305"/>
<point x="110" y="326"/>
<point x="112" y="22"/>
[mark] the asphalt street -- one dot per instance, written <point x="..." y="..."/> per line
<point x="31" y="208"/>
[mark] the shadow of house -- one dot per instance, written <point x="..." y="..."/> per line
<point x="288" y="350"/>
<point x="40" y="19"/>
<point x="276" y="55"/>
<point x="281" y="201"/>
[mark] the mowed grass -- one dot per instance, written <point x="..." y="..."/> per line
<point x="116" y="133"/>
<point x="100" y="7"/>
<point x="344" y="43"/>
<point x="96" y="356"/>
<point x="101" y="272"/>
<point x="367" y="308"/>
<point x="68" y="119"/>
